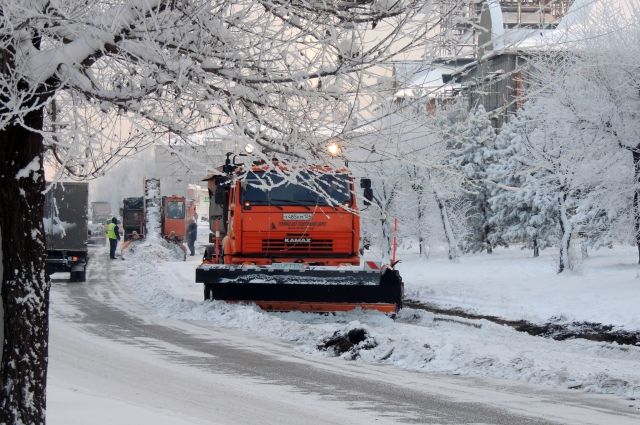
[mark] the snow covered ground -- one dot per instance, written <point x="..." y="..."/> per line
<point x="512" y="284"/>
<point x="509" y="284"/>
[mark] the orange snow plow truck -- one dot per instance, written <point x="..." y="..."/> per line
<point x="288" y="239"/>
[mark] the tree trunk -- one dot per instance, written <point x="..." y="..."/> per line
<point x="25" y="287"/>
<point x="453" y="251"/>
<point x="636" y="198"/>
<point x="536" y="248"/>
<point x="387" y="235"/>
<point x="385" y="201"/>
<point x="565" y="228"/>
<point x="485" y="228"/>
<point x="419" y="191"/>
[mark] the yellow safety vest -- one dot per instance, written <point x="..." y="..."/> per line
<point x="111" y="231"/>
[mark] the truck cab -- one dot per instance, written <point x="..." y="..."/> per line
<point x="277" y="215"/>
<point x="174" y="216"/>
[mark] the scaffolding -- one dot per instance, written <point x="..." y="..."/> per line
<point x="460" y="21"/>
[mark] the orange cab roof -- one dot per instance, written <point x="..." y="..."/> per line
<point x="285" y="167"/>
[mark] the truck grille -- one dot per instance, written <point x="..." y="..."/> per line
<point x="281" y="246"/>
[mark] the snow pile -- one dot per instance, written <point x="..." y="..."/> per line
<point x="147" y="252"/>
<point x="415" y="340"/>
<point x="152" y="209"/>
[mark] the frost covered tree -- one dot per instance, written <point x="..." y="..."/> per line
<point x="466" y="145"/>
<point x="400" y="188"/>
<point x="521" y="211"/>
<point x="405" y="152"/>
<point x="419" y="183"/>
<point x="600" y="85"/>
<point x="472" y="148"/>
<point x="566" y="158"/>
<point x="563" y="163"/>
<point x="89" y="82"/>
<point x="376" y="145"/>
<point x="578" y="130"/>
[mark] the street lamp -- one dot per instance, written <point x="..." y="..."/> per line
<point x="334" y="148"/>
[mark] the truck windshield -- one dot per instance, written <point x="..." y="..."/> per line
<point x="271" y="188"/>
<point x="175" y="209"/>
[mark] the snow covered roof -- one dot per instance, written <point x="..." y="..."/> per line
<point x="428" y="82"/>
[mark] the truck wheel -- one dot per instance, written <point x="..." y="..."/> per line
<point x="78" y="276"/>
<point x="208" y="292"/>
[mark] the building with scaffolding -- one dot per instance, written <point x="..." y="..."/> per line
<point x="480" y="53"/>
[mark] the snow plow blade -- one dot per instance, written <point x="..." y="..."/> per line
<point x="309" y="290"/>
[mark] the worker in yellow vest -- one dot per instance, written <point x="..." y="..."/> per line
<point x="113" y="234"/>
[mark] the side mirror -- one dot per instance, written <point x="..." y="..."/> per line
<point x="368" y="196"/>
<point x="367" y="192"/>
<point x="220" y="195"/>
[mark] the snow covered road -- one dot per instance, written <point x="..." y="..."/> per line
<point x="116" y="350"/>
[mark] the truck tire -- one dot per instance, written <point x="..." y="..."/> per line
<point x="78" y="276"/>
<point x="82" y="275"/>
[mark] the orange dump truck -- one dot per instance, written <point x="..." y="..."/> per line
<point x="289" y="239"/>
<point x="174" y="216"/>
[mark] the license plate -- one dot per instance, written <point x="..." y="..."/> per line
<point x="297" y="216"/>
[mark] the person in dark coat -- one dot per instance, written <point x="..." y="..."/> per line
<point x="192" y="235"/>
<point x="113" y="234"/>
